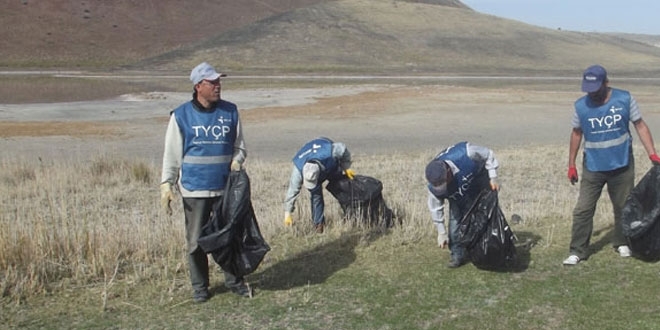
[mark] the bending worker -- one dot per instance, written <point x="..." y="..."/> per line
<point x="318" y="160"/>
<point x="458" y="173"/>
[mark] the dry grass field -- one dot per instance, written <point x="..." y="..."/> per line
<point x="80" y="214"/>
<point x="84" y="244"/>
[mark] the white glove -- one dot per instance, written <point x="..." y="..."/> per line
<point x="235" y="166"/>
<point x="166" y="197"/>
<point x="442" y="240"/>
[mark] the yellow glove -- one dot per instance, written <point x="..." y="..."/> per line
<point x="235" y="166"/>
<point x="166" y="197"/>
<point x="350" y="173"/>
<point x="288" y="220"/>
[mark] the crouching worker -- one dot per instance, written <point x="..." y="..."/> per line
<point x="458" y="173"/>
<point x="317" y="161"/>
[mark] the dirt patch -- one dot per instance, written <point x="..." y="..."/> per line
<point x="371" y="119"/>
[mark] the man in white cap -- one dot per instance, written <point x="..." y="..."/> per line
<point x="458" y="174"/>
<point x="318" y="160"/>
<point x="602" y="117"/>
<point x="203" y="143"/>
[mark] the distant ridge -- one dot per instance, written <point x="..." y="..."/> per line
<point x="417" y="37"/>
<point x="407" y="37"/>
<point x="448" y="3"/>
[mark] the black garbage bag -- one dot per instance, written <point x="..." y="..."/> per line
<point x="232" y="236"/>
<point x="362" y="199"/>
<point x="485" y="234"/>
<point x="640" y="215"/>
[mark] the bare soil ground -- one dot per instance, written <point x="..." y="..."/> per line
<point x="371" y="119"/>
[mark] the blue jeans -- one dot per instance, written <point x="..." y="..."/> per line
<point x="455" y="215"/>
<point x="318" y="206"/>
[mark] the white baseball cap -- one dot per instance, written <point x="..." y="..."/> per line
<point x="310" y="175"/>
<point x="204" y="71"/>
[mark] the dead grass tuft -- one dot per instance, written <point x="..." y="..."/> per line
<point x="74" y="129"/>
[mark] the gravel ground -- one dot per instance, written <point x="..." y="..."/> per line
<point x="371" y="119"/>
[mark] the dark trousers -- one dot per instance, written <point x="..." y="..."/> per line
<point x="199" y="211"/>
<point x="619" y="184"/>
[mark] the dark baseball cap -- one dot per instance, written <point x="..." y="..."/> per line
<point x="436" y="175"/>
<point x="592" y="78"/>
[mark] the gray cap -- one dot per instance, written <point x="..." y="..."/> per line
<point x="204" y="71"/>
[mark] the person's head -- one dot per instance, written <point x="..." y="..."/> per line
<point x="206" y="83"/>
<point x="595" y="83"/>
<point x="341" y="152"/>
<point x="311" y="172"/>
<point x="438" y="175"/>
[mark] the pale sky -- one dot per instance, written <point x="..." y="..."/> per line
<point x="628" y="16"/>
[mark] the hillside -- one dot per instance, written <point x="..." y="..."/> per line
<point x="92" y="33"/>
<point x="301" y="36"/>
<point x="406" y="37"/>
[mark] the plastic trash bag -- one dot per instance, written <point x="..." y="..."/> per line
<point x="485" y="234"/>
<point x="640" y="215"/>
<point x="362" y="199"/>
<point x="232" y="236"/>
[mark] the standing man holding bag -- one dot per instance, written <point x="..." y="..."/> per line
<point x="602" y="117"/>
<point x="203" y="143"/>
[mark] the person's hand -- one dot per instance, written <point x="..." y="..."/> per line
<point x="442" y="241"/>
<point x="350" y="173"/>
<point x="288" y="220"/>
<point x="572" y="174"/>
<point x="494" y="185"/>
<point x="235" y="166"/>
<point x="655" y="159"/>
<point x="166" y="197"/>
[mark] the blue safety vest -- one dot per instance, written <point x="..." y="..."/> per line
<point x="607" y="139"/>
<point x="208" y="144"/>
<point x="470" y="179"/>
<point x="319" y="151"/>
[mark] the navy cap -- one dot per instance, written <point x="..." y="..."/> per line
<point x="592" y="78"/>
<point x="436" y="175"/>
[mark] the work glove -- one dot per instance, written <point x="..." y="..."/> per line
<point x="235" y="166"/>
<point x="350" y="173"/>
<point x="166" y="197"/>
<point x="655" y="159"/>
<point x="494" y="185"/>
<point x="288" y="220"/>
<point x="442" y="240"/>
<point x="572" y="174"/>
